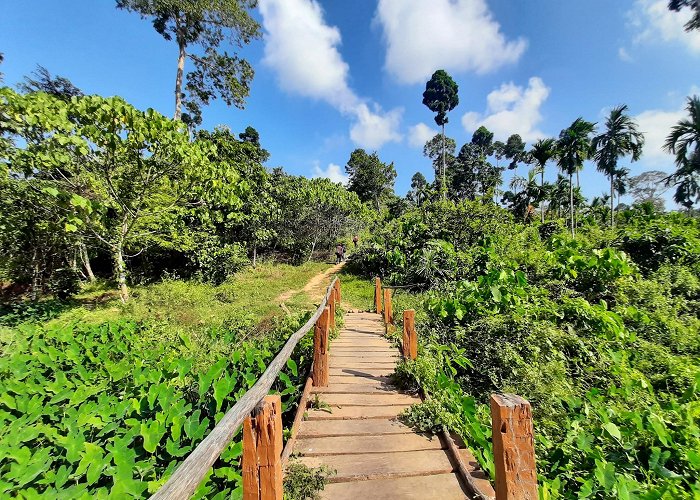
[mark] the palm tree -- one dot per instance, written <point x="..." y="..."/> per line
<point x="621" y="182"/>
<point x="684" y="142"/>
<point x="542" y="151"/>
<point x="573" y="148"/>
<point x="621" y="138"/>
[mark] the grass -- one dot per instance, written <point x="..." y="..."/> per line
<point x="251" y="294"/>
<point x="358" y="292"/>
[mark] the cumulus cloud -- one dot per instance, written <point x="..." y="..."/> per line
<point x="656" y="124"/>
<point x="455" y="35"/>
<point x="511" y="109"/>
<point x="624" y="55"/>
<point x="652" y="20"/>
<point x="303" y="52"/>
<point x="419" y="134"/>
<point x="332" y="171"/>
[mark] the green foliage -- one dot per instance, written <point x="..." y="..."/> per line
<point x="369" y="177"/>
<point x="64" y="283"/>
<point x="607" y="355"/>
<point x="304" y="483"/>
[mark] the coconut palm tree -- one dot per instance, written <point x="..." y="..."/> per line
<point x="621" y="138"/>
<point x="684" y="142"/>
<point x="573" y="148"/>
<point x="542" y="151"/>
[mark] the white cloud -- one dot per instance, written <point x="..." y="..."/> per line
<point x="511" y="109"/>
<point x="624" y="55"/>
<point x="332" y="172"/>
<point x="303" y="52"/>
<point x="652" y="20"/>
<point x="419" y="134"/>
<point x="656" y="124"/>
<point x="456" y="35"/>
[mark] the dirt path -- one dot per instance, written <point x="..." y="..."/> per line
<point x="316" y="286"/>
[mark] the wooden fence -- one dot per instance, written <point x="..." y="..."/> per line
<point x="511" y="422"/>
<point x="261" y="417"/>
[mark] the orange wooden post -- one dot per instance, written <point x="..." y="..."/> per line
<point x="262" y="451"/>
<point x="319" y="374"/>
<point x="378" y="295"/>
<point x="410" y="341"/>
<point x="331" y="305"/>
<point x="387" y="307"/>
<point x="337" y="290"/>
<point x="513" y="448"/>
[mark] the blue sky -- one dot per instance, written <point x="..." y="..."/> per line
<point x="334" y="76"/>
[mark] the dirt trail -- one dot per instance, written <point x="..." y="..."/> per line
<point x="316" y="286"/>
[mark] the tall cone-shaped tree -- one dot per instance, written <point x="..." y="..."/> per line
<point x="620" y="138"/>
<point x="441" y="97"/>
<point x="542" y="151"/>
<point x="573" y="148"/>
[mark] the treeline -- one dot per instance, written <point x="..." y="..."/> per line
<point x="91" y="185"/>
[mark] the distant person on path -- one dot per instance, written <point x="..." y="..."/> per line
<point x="355" y="239"/>
<point x="338" y="253"/>
<point x="342" y="254"/>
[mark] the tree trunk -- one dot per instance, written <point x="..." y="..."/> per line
<point x="86" y="262"/>
<point x="255" y="255"/>
<point x="444" y="183"/>
<point x="542" y="194"/>
<point x="313" y="247"/>
<point x="120" y="271"/>
<point x="612" y="201"/>
<point x="178" y="79"/>
<point x="571" y="205"/>
<point x="36" y="272"/>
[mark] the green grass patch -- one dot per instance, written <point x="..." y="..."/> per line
<point x="358" y="292"/>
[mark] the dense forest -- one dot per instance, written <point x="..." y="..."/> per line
<point x="139" y="256"/>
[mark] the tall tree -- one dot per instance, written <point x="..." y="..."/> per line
<point x="693" y="5"/>
<point x="514" y="150"/>
<point x="441" y="97"/>
<point x="200" y="27"/>
<point x="440" y="149"/>
<point x="648" y="187"/>
<point x="684" y="142"/>
<point x="574" y="147"/>
<point x="621" y="138"/>
<point x="369" y="177"/>
<point x="42" y="81"/>
<point x="542" y="151"/>
<point x="419" y="186"/>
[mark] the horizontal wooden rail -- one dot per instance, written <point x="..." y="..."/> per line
<point x="186" y="478"/>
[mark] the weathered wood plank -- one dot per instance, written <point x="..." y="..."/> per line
<point x="347" y="412"/>
<point x="391" y="398"/>
<point x="434" y="487"/>
<point x="366" y="444"/>
<point x="383" y="465"/>
<point x="359" y="427"/>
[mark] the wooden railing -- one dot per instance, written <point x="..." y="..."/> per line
<point x="261" y="417"/>
<point x="511" y="422"/>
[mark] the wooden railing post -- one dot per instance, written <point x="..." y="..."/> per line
<point x="262" y="450"/>
<point x="388" y="319"/>
<point x="319" y="374"/>
<point x="337" y="290"/>
<point x="513" y="448"/>
<point x="378" y="295"/>
<point x="410" y="340"/>
<point x="332" y="301"/>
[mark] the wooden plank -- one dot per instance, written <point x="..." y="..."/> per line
<point x="362" y="365"/>
<point x="391" y="357"/>
<point x="268" y="424"/>
<point x="391" y="398"/>
<point x="434" y="487"/>
<point x="352" y="380"/>
<point x="513" y="448"/>
<point x="361" y="372"/>
<point x="356" y="388"/>
<point x="366" y="444"/>
<point x="383" y="465"/>
<point x="410" y="348"/>
<point x="346" y="412"/>
<point x="360" y="427"/>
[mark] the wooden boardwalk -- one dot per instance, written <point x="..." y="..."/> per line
<point x="358" y="436"/>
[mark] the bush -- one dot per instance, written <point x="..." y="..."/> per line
<point x="64" y="283"/>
